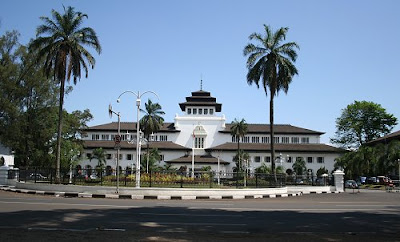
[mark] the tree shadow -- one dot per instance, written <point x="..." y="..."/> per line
<point x="192" y="224"/>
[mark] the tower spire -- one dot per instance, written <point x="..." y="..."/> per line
<point x="201" y="82"/>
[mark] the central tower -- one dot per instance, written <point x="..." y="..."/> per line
<point x="200" y="124"/>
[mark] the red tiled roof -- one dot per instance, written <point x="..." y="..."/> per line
<point x="130" y="126"/>
<point x="252" y="128"/>
<point x="198" y="159"/>
<point x="278" y="129"/>
<point x="261" y="147"/>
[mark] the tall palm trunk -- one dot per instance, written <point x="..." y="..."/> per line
<point x="148" y="153"/>
<point x="60" y="123"/>
<point x="271" y="120"/>
<point x="239" y="165"/>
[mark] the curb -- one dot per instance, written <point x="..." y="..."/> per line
<point x="143" y="197"/>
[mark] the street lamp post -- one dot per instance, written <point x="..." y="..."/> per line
<point x="117" y="141"/>
<point x="399" y="171"/>
<point x="138" y="101"/>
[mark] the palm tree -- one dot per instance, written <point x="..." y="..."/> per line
<point x="299" y="166"/>
<point x="60" y="43"/>
<point x="100" y="155"/>
<point x="151" y="122"/>
<point x="238" y="130"/>
<point x="270" y="63"/>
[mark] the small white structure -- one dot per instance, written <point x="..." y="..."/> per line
<point x="6" y="157"/>
<point x="202" y="133"/>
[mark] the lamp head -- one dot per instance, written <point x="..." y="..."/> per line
<point x="118" y="100"/>
<point x="110" y="110"/>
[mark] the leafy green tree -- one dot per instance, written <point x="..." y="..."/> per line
<point x="239" y="158"/>
<point x="100" y="155"/>
<point x="270" y="63"/>
<point x="239" y="131"/>
<point x="358" y="162"/>
<point x="151" y="122"/>
<point x="385" y="157"/>
<point x="361" y="122"/>
<point x="299" y="166"/>
<point x="206" y="168"/>
<point x="152" y="160"/>
<point x="321" y="171"/>
<point x="60" y="43"/>
<point x="27" y="101"/>
<point x="168" y="167"/>
<point x="263" y="169"/>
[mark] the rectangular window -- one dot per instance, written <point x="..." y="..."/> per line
<point x="105" y="137"/>
<point x="129" y="157"/>
<point x="95" y="137"/>
<point x="205" y="111"/>
<point x="265" y="140"/>
<point x="120" y="157"/>
<point x="320" y="160"/>
<point x="295" y="140"/>
<point x="189" y="111"/>
<point x="112" y="137"/>
<point x="108" y="156"/>
<point x="276" y="139"/>
<point x="285" y="140"/>
<point x="309" y="160"/>
<point x="235" y="139"/>
<point x="257" y="159"/>
<point x="305" y="140"/>
<point x="289" y="159"/>
<point x="267" y="159"/>
<point x="199" y="143"/>
<point x="255" y="139"/>
<point x="211" y="111"/>
<point x="200" y="111"/>
<point x="162" y="158"/>
<point x="163" y="138"/>
<point x="245" y="139"/>
<point x="194" y="111"/>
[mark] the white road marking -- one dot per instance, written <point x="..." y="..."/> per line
<point x="190" y="215"/>
<point x="72" y="204"/>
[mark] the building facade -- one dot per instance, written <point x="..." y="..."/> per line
<point x="202" y="135"/>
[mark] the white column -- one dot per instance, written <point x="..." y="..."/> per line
<point x="339" y="180"/>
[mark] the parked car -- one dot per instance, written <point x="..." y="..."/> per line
<point x="351" y="184"/>
<point x="93" y="176"/>
<point x="371" y="180"/>
<point x="363" y="180"/>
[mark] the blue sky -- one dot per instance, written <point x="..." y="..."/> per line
<point x="349" y="51"/>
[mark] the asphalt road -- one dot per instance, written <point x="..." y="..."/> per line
<point x="364" y="216"/>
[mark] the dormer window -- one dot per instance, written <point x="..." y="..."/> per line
<point x="199" y="134"/>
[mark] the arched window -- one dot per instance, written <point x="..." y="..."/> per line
<point x="200" y="135"/>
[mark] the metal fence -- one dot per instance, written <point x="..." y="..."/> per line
<point x="172" y="179"/>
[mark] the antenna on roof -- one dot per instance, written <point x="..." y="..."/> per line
<point x="201" y="82"/>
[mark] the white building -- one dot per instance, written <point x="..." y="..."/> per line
<point x="202" y="129"/>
